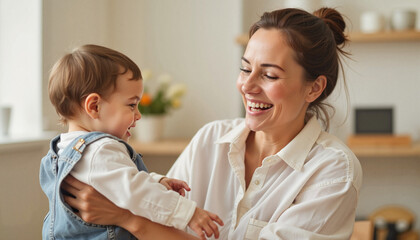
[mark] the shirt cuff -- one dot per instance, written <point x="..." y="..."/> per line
<point x="156" y="177"/>
<point x="183" y="213"/>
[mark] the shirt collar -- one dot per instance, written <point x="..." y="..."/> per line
<point x="294" y="153"/>
<point x="236" y="135"/>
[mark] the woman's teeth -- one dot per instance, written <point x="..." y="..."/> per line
<point x="258" y="106"/>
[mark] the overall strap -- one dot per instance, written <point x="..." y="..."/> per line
<point x="75" y="149"/>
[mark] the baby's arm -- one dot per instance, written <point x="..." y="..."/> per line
<point x="113" y="174"/>
<point x="95" y="208"/>
<point x="203" y="222"/>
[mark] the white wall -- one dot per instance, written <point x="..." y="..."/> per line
<point x="185" y="40"/>
<point x="194" y="42"/>
<point x="66" y="25"/>
<point x="20" y="63"/>
<point x="181" y="38"/>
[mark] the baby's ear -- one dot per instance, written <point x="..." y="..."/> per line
<point x="316" y="88"/>
<point x="91" y="105"/>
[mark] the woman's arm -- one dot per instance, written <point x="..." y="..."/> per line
<point x="95" y="208"/>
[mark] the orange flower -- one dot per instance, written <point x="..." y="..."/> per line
<point x="146" y="100"/>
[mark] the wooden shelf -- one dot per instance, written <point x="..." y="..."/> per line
<point x="167" y="147"/>
<point x="386" y="36"/>
<point x="174" y="147"/>
<point x="387" y="151"/>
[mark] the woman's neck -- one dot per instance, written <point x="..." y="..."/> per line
<point x="267" y="143"/>
<point x="261" y="144"/>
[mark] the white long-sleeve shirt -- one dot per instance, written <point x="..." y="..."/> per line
<point x="308" y="190"/>
<point x="107" y="166"/>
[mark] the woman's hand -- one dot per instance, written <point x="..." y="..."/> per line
<point x="93" y="207"/>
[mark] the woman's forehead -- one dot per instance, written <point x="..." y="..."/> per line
<point x="269" y="46"/>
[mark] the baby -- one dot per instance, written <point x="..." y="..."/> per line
<point x="96" y="91"/>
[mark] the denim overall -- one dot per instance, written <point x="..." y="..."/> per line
<point x="61" y="222"/>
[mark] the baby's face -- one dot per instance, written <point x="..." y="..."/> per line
<point x="119" y="111"/>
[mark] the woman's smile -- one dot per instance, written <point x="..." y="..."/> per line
<point x="258" y="107"/>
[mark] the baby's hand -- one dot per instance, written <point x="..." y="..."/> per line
<point x="175" y="185"/>
<point x="203" y="221"/>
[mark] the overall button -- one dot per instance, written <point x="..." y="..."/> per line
<point x="256" y="182"/>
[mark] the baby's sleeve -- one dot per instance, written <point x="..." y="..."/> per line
<point x="115" y="175"/>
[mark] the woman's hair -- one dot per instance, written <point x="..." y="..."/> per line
<point x="317" y="40"/>
<point x="87" y="69"/>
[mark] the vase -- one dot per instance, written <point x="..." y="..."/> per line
<point x="149" y="128"/>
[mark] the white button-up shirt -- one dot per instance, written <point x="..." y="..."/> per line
<point x="308" y="190"/>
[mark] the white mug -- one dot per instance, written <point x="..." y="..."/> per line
<point x="403" y="19"/>
<point x="371" y="22"/>
<point x="5" y="115"/>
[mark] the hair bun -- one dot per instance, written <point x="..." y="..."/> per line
<point x="335" y="22"/>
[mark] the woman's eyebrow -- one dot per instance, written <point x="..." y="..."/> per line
<point x="245" y="60"/>
<point x="265" y="64"/>
<point x="272" y="65"/>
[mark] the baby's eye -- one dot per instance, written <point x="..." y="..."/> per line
<point x="132" y="106"/>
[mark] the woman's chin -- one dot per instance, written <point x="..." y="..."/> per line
<point x="252" y="124"/>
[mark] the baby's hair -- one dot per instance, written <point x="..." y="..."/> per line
<point x="87" y="69"/>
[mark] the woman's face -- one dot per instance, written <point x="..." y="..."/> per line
<point x="272" y="84"/>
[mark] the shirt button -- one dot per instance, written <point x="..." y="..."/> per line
<point x="257" y="182"/>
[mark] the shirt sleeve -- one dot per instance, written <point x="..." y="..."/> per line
<point x="156" y="176"/>
<point x="321" y="213"/>
<point x="114" y="174"/>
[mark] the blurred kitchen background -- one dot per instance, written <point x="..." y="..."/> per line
<point x="196" y="42"/>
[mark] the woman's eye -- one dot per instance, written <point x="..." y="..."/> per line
<point x="132" y="106"/>
<point x="271" y="77"/>
<point x="245" y="70"/>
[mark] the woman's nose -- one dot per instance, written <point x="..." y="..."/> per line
<point x="250" y="84"/>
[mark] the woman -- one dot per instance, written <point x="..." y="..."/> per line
<point x="275" y="174"/>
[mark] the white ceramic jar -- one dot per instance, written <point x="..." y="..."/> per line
<point x="371" y="22"/>
<point x="403" y="19"/>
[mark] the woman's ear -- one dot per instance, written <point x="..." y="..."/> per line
<point x="316" y="88"/>
<point x="91" y="106"/>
